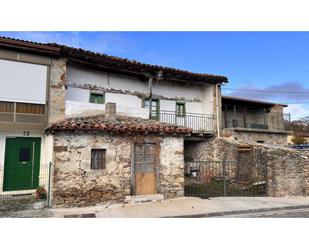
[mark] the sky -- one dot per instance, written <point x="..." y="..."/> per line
<point x="271" y="66"/>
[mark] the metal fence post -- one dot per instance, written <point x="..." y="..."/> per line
<point x="224" y="180"/>
<point x="49" y="183"/>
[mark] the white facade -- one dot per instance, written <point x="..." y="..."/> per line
<point x="22" y="82"/>
<point x="45" y="156"/>
<point x="126" y="92"/>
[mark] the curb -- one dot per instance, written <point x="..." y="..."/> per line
<point x="260" y="210"/>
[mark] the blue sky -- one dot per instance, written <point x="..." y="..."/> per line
<point x="271" y="61"/>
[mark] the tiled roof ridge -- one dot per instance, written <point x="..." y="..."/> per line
<point x="66" y="49"/>
<point x="119" y="124"/>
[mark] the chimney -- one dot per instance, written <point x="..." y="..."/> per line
<point x="110" y="110"/>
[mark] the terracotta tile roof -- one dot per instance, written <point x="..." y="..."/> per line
<point x="254" y="101"/>
<point x="94" y="58"/>
<point x="119" y="124"/>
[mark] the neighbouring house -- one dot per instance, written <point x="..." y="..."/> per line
<point x="32" y="80"/>
<point x="254" y="121"/>
<point x="303" y="135"/>
<point x="60" y="114"/>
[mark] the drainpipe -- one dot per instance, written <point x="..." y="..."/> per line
<point x="150" y="96"/>
<point x="158" y="77"/>
<point x="217" y="110"/>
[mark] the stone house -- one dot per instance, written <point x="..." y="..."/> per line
<point x="304" y="135"/>
<point x="254" y="121"/>
<point x="111" y="127"/>
<point x="107" y="157"/>
<point x="168" y="107"/>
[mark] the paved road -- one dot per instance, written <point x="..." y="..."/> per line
<point x="294" y="213"/>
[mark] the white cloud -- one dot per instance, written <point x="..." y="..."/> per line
<point x="297" y="110"/>
<point x="96" y="41"/>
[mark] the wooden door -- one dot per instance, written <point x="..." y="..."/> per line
<point x="22" y="163"/>
<point x="145" y="169"/>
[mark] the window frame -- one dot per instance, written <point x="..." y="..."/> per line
<point x="146" y="165"/>
<point x="157" y="111"/>
<point x="184" y="109"/>
<point x="97" y="94"/>
<point x="92" y="160"/>
<point x="24" y="153"/>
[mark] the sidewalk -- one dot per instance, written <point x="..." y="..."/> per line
<point x="186" y="207"/>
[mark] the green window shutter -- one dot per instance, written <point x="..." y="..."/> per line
<point x="97" y="98"/>
<point x="155" y="107"/>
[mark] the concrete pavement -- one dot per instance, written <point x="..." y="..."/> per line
<point x="281" y="213"/>
<point x="187" y="207"/>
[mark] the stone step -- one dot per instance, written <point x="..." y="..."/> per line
<point x="131" y="199"/>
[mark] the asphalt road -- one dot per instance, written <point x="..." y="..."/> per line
<point x="289" y="213"/>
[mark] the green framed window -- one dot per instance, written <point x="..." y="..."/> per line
<point x="155" y="107"/>
<point x="97" y="98"/>
<point x="180" y="109"/>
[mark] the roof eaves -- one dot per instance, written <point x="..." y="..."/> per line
<point x="252" y="100"/>
<point x="93" y="57"/>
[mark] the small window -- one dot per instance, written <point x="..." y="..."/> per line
<point x="155" y="107"/>
<point x="24" y="154"/>
<point x="97" y="98"/>
<point x="180" y="109"/>
<point x="98" y="158"/>
<point x="144" y="157"/>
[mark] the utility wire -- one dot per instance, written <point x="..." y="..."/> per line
<point x="295" y="103"/>
<point x="271" y="91"/>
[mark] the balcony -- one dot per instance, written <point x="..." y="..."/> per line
<point x="22" y="115"/>
<point x="280" y="122"/>
<point x="199" y="123"/>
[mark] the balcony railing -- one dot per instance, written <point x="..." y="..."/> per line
<point x="282" y="124"/>
<point x="13" y="112"/>
<point x="198" y="122"/>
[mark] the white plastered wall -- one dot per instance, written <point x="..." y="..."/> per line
<point x="199" y="99"/>
<point x="19" y="79"/>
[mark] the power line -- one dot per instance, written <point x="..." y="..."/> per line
<point x="296" y="103"/>
<point x="271" y="91"/>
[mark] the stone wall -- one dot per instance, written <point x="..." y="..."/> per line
<point x="287" y="169"/>
<point x="253" y="136"/>
<point x="75" y="184"/>
<point x="172" y="167"/>
<point x="275" y="117"/>
<point x="305" y="153"/>
<point x="213" y="149"/>
<point x="285" y="173"/>
<point x="57" y="90"/>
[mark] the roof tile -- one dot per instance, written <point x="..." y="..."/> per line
<point x="119" y="124"/>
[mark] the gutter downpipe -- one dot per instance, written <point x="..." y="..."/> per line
<point x="217" y="110"/>
<point x="150" y="96"/>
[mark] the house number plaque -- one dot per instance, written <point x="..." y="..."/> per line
<point x="27" y="133"/>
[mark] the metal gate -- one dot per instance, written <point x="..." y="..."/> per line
<point x="222" y="178"/>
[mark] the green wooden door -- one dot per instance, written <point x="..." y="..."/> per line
<point x="21" y="163"/>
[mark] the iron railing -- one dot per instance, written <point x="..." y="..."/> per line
<point x="198" y="122"/>
<point x="276" y="121"/>
<point x="15" y="112"/>
<point x="223" y="178"/>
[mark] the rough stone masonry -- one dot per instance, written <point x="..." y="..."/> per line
<point x="75" y="184"/>
<point x="287" y="170"/>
